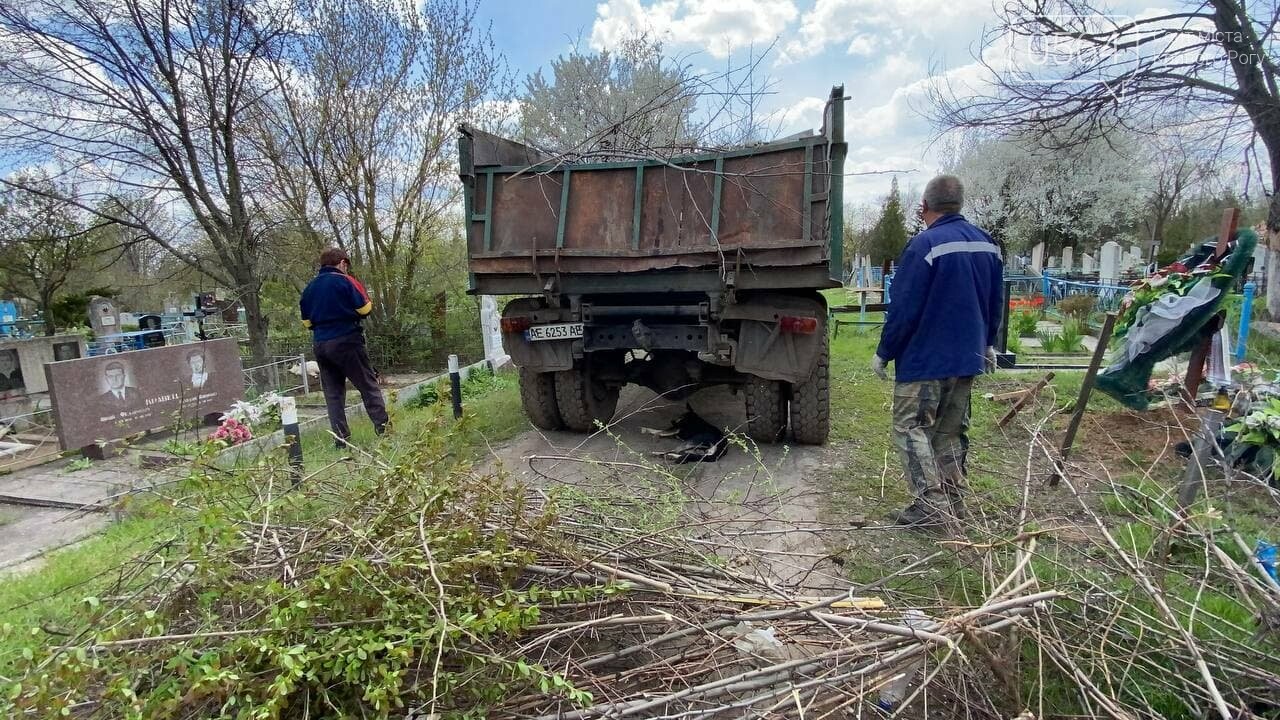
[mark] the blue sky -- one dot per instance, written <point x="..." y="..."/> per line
<point x="881" y="50"/>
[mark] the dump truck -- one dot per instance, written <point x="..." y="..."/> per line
<point x="671" y="273"/>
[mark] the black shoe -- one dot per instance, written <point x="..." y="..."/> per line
<point x="918" y="514"/>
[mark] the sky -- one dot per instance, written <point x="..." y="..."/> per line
<point x="882" y="51"/>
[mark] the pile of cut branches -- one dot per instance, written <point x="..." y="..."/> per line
<point x="411" y="583"/>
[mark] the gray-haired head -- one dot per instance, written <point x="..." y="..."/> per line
<point x="944" y="194"/>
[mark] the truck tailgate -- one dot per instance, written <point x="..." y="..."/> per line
<point x="769" y="206"/>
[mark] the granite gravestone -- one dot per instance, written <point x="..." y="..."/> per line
<point x="103" y="317"/>
<point x="108" y="397"/>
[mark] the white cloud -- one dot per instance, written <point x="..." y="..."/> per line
<point x="864" y="45"/>
<point x="865" y="26"/>
<point x="799" y="116"/>
<point x="718" y="27"/>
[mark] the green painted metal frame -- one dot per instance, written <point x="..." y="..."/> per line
<point x="564" y="208"/>
<point x="716" y="190"/>
<point x="834" y="196"/>
<point x="835" y="187"/>
<point x="639" y="206"/>
<point x="806" y="222"/>
<point x="676" y="161"/>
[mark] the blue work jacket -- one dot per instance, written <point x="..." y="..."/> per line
<point x="946" y="303"/>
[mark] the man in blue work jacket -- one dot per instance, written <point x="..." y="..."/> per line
<point x="333" y="305"/>
<point x="940" y="332"/>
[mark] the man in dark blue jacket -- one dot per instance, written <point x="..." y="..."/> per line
<point x="945" y="310"/>
<point x="333" y="305"/>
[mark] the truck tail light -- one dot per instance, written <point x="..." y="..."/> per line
<point x="515" y="324"/>
<point x="798" y="325"/>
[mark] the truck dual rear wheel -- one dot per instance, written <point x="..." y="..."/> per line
<point x="538" y="396"/>
<point x="811" y="401"/>
<point x="584" y="401"/>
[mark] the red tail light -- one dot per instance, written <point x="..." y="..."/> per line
<point x="798" y="325"/>
<point x="515" y="324"/>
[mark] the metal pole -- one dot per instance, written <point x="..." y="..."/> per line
<point x="1202" y="447"/>
<point x="306" y="381"/>
<point x="292" y="436"/>
<point x="1246" y="311"/>
<point x="455" y="386"/>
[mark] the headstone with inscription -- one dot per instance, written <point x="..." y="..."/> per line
<point x="107" y="397"/>
<point x="1037" y="257"/>
<point x="103" y="317"/>
<point x="1068" y="258"/>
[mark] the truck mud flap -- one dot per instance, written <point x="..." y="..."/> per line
<point x="765" y="349"/>
<point x="543" y="355"/>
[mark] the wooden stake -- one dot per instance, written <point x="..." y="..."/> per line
<point x="1086" y="388"/>
<point x="1027" y="396"/>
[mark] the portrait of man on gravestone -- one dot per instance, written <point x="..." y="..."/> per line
<point x="197" y="369"/>
<point x="117" y="393"/>
<point x="66" y="351"/>
<point x="10" y="371"/>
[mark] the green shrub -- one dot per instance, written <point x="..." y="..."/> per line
<point x="1014" y="345"/>
<point x="1024" y="323"/>
<point x="1067" y="340"/>
<point x="398" y="584"/>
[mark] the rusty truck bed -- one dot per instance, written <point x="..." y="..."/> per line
<point x="764" y="216"/>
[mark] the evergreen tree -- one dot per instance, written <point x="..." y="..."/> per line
<point x="889" y="236"/>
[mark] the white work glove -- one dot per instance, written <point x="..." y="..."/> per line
<point x="877" y="367"/>
<point x="991" y="359"/>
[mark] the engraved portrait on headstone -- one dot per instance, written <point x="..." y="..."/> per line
<point x="66" y="351"/>
<point x="196" y="369"/>
<point x="10" y="372"/>
<point x="118" y="389"/>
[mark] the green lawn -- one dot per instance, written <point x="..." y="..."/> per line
<point x="48" y="595"/>
<point x="1124" y="472"/>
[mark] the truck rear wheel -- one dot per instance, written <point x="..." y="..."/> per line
<point x="583" y="400"/>
<point x="811" y="400"/>
<point x="766" y="409"/>
<point x="538" y="396"/>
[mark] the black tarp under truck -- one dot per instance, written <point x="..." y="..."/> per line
<point x="673" y="274"/>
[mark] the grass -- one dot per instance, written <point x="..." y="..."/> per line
<point x="49" y="593"/>
<point x="864" y="479"/>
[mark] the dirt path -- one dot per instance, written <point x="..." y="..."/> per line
<point x="763" y="500"/>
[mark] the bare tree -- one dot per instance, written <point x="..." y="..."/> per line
<point x="1210" y="65"/>
<point x="151" y="98"/>
<point x="362" y="136"/>
<point x="1177" y="168"/>
<point x="43" y="242"/>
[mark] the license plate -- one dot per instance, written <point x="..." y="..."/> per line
<point x="562" y="331"/>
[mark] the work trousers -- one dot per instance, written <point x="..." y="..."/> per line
<point x="342" y="359"/>
<point x="930" y="429"/>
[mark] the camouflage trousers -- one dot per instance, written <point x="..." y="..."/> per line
<point x="930" y="429"/>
